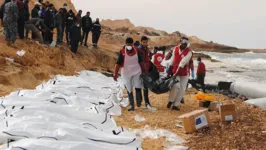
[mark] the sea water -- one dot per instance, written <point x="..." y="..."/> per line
<point x="236" y="67"/>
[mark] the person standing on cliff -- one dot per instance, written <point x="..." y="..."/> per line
<point x="58" y="25"/>
<point x="201" y="72"/>
<point x="10" y="17"/>
<point x="64" y="17"/>
<point x="35" y="10"/>
<point x="131" y="62"/>
<point x="78" y="21"/>
<point x="70" y="20"/>
<point x="145" y="51"/>
<point x="75" y="34"/>
<point x="22" y="18"/>
<point x="49" y="22"/>
<point x="180" y="69"/>
<point x="86" y="28"/>
<point x="96" y="32"/>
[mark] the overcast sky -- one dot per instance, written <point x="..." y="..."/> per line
<point x="240" y="23"/>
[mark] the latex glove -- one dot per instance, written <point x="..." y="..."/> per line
<point x="193" y="74"/>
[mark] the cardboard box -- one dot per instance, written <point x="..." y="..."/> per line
<point x="228" y="112"/>
<point x="195" y="120"/>
<point x="215" y="106"/>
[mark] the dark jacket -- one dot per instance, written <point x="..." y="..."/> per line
<point x="70" y="19"/>
<point x="64" y="17"/>
<point x="78" y="20"/>
<point x="96" y="27"/>
<point x="27" y="11"/>
<point x="75" y="34"/>
<point x="58" y="20"/>
<point x="49" y="19"/>
<point x="35" y="12"/>
<point x="2" y="10"/>
<point x="86" y="23"/>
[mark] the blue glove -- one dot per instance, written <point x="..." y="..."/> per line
<point x="192" y="74"/>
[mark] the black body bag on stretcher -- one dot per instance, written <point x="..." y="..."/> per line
<point x="155" y="84"/>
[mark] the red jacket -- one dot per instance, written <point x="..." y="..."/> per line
<point x="177" y="59"/>
<point x="158" y="58"/>
<point x="146" y="57"/>
<point x="201" y="69"/>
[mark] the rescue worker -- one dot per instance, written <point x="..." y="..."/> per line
<point x="58" y="25"/>
<point x="201" y="72"/>
<point x="154" y="51"/>
<point x="145" y="51"/>
<point x="75" y="34"/>
<point x="70" y="20"/>
<point x="180" y="68"/>
<point x="130" y="60"/>
<point x="86" y="28"/>
<point x="10" y="22"/>
<point x="96" y="32"/>
<point x="157" y="60"/>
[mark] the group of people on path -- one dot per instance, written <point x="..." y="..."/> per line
<point x="43" y="19"/>
<point x="136" y="58"/>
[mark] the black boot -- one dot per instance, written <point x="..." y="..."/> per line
<point x="175" y="108"/>
<point x="138" y="97"/>
<point x="146" y="97"/>
<point x="131" y="101"/>
<point x="169" y="104"/>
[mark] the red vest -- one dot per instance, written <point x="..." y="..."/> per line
<point x="201" y="69"/>
<point x="146" y="57"/>
<point x="177" y="59"/>
<point x="123" y="51"/>
<point x="158" y="58"/>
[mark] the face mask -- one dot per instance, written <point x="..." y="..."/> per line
<point x="183" y="46"/>
<point x="198" y="62"/>
<point x="129" y="48"/>
<point x="65" y="7"/>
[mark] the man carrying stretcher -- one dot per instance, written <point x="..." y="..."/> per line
<point x="181" y="56"/>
